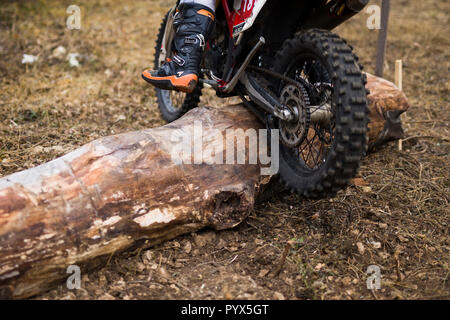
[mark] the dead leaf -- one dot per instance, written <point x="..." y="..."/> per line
<point x="361" y="248"/>
<point x="279" y="296"/>
<point x="346" y="281"/>
<point x="376" y="244"/>
<point x="359" y="182"/>
<point x="319" y="266"/>
<point x="259" y="242"/>
<point x="263" y="273"/>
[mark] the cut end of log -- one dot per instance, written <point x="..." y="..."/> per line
<point x="387" y="103"/>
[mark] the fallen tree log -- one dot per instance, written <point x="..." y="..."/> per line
<point x="127" y="191"/>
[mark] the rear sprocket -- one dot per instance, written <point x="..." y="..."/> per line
<point x="294" y="132"/>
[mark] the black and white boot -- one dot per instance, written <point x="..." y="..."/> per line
<point x="193" y="24"/>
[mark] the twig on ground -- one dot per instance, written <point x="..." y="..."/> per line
<point x="280" y="265"/>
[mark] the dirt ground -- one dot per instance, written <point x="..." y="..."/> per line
<point x="398" y="219"/>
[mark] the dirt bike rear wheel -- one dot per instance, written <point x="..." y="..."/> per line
<point x="173" y="104"/>
<point x="319" y="58"/>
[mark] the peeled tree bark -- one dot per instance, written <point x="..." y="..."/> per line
<point x="127" y="191"/>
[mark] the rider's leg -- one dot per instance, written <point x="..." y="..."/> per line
<point x="209" y="3"/>
<point x="193" y="23"/>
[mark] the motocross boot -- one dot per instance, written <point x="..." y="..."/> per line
<point x="193" y="24"/>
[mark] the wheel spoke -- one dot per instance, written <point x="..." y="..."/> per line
<point x="315" y="151"/>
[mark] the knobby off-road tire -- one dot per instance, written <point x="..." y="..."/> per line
<point x="349" y="102"/>
<point x="169" y="109"/>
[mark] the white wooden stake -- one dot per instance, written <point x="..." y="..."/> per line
<point x="399" y="74"/>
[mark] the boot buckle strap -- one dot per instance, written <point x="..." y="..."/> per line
<point x="193" y="40"/>
<point x="189" y="40"/>
<point x="202" y="40"/>
<point x="179" y="60"/>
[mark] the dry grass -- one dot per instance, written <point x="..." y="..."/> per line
<point x="398" y="221"/>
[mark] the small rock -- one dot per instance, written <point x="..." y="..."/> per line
<point x="108" y="73"/>
<point x="304" y="293"/>
<point x="202" y="239"/>
<point x="346" y="281"/>
<point x="148" y="256"/>
<point x="120" y="117"/>
<point x="259" y="242"/>
<point x="176" y="244"/>
<point x="376" y="244"/>
<point x="102" y="279"/>
<point x="73" y="60"/>
<point x="350" y="292"/>
<point x="29" y="59"/>
<point x="187" y="247"/>
<point x="361" y="248"/>
<point x="221" y="244"/>
<point x="163" y="272"/>
<point x="140" y="267"/>
<point x="366" y="189"/>
<point x="69" y="296"/>
<point x="106" y="296"/>
<point x="227" y="295"/>
<point x="59" y="52"/>
<point x="278" y="296"/>
<point x="98" y="291"/>
<point x="318" y="284"/>
<point x="384" y="255"/>
<point x="263" y="272"/>
<point x="319" y="266"/>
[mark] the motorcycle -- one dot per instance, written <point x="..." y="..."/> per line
<point x="295" y="75"/>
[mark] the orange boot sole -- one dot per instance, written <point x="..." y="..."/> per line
<point x="186" y="83"/>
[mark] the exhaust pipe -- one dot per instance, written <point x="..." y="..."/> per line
<point x="332" y="14"/>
